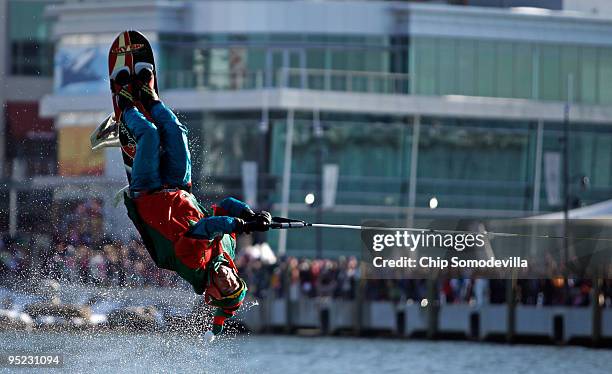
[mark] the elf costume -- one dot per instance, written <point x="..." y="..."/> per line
<point x="177" y="231"/>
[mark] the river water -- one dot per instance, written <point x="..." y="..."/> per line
<point x="108" y="352"/>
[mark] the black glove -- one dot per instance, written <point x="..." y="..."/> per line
<point x="263" y="217"/>
<point x="259" y="222"/>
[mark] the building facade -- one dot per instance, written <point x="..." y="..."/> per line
<point x="27" y="140"/>
<point x="407" y="102"/>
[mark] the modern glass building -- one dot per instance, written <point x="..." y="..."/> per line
<point x="406" y="101"/>
<point x="27" y="141"/>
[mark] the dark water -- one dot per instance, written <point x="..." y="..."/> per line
<point x="169" y="353"/>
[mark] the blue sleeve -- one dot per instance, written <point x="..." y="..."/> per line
<point x="233" y="207"/>
<point x="212" y="227"/>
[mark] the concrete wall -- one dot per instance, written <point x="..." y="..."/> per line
<point x="493" y="320"/>
<point x="415" y="320"/>
<point x="452" y="319"/>
<point x="455" y="318"/>
<point x="606" y="328"/>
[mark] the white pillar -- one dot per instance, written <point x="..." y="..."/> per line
<point x="282" y="239"/>
<point x="537" y="178"/>
<point x="414" y="162"/>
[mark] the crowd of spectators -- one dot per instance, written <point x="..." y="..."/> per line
<point x="104" y="264"/>
<point x="112" y="264"/>
<point x="109" y="263"/>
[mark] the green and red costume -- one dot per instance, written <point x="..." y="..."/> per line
<point x="177" y="231"/>
<point x="182" y="236"/>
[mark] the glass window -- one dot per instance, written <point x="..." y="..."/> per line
<point x="459" y="148"/>
<point x="550" y="72"/>
<point x="176" y="62"/>
<point x="505" y="70"/>
<point x="372" y="176"/>
<point x="605" y="76"/>
<point x="569" y="71"/>
<point x="601" y="155"/>
<point x="31" y="50"/>
<point x="316" y="59"/>
<point x="256" y="59"/>
<point x="219" y="68"/>
<point x="426" y="62"/>
<point x="339" y="61"/>
<point x="466" y="59"/>
<point x="447" y="69"/>
<point x="376" y="60"/>
<point x="399" y="54"/>
<point x="587" y="86"/>
<point x="27" y="21"/>
<point x="590" y="156"/>
<point x="456" y="163"/>
<point x="380" y="61"/>
<point x="225" y="144"/>
<point x="485" y="73"/>
<point x="523" y="71"/>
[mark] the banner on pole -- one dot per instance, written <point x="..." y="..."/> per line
<point x="249" y="182"/>
<point x="330" y="185"/>
<point x="552" y="175"/>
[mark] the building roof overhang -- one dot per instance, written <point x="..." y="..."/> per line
<point x="343" y="102"/>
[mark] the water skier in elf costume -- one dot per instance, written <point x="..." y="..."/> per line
<point x="180" y="234"/>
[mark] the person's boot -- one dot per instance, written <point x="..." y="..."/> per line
<point x="145" y="85"/>
<point x="121" y="88"/>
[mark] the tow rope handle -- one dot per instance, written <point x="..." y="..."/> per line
<point x="288" y="223"/>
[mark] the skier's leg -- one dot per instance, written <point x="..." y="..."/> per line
<point x="145" y="169"/>
<point x="175" y="162"/>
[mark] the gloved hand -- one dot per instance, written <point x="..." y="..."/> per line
<point x="259" y="222"/>
<point x="264" y="218"/>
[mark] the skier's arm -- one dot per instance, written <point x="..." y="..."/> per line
<point x="233" y="208"/>
<point x="224" y="221"/>
<point x="230" y="216"/>
<point x="236" y="208"/>
<point x="210" y="228"/>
